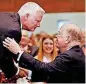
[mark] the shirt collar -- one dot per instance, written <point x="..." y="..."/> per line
<point x="29" y="32"/>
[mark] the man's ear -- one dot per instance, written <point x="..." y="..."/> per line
<point x="26" y="16"/>
<point x="68" y="39"/>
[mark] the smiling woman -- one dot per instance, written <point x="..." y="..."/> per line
<point x="47" y="49"/>
<point x="47" y="53"/>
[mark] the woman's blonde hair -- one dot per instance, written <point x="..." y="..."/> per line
<point x="40" y="52"/>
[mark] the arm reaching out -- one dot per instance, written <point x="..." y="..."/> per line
<point x="12" y="45"/>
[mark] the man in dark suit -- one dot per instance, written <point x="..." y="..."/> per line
<point x="28" y="18"/>
<point x="68" y="67"/>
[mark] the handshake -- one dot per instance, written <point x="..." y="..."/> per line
<point x="22" y="72"/>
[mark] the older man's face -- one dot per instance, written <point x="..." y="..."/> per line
<point x="33" y="21"/>
<point x="61" y="38"/>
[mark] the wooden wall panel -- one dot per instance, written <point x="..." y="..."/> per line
<point x="50" y="6"/>
<point x="6" y="5"/>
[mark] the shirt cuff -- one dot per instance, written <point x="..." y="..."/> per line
<point x="17" y="71"/>
<point x="29" y="74"/>
<point x="19" y="55"/>
<point x="16" y="64"/>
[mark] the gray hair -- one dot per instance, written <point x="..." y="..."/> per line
<point x="31" y="8"/>
<point x="73" y="30"/>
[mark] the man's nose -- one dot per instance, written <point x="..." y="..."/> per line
<point x="38" y="24"/>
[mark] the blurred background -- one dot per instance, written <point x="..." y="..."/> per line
<point x="58" y="12"/>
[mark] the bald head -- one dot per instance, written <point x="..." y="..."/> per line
<point x="72" y="30"/>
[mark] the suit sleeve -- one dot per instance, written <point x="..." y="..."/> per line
<point x="6" y="59"/>
<point x="60" y="64"/>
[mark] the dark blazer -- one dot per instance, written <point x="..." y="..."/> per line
<point x="9" y="27"/>
<point x="34" y="50"/>
<point x="68" y="67"/>
<point x="38" y="76"/>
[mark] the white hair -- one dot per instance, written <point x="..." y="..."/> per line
<point x="31" y="8"/>
<point x="73" y="30"/>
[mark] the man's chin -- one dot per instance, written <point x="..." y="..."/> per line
<point x="32" y="30"/>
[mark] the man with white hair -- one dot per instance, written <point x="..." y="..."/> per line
<point x="28" y="17"/>
<point x="68" y="67"/>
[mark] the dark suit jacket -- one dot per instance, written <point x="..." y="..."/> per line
<point x="34" y="50"/>
<point x="9" y="27"/>
<point x="68" y="67"/>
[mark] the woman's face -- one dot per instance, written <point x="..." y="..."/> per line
<point x="48" y="45"/>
